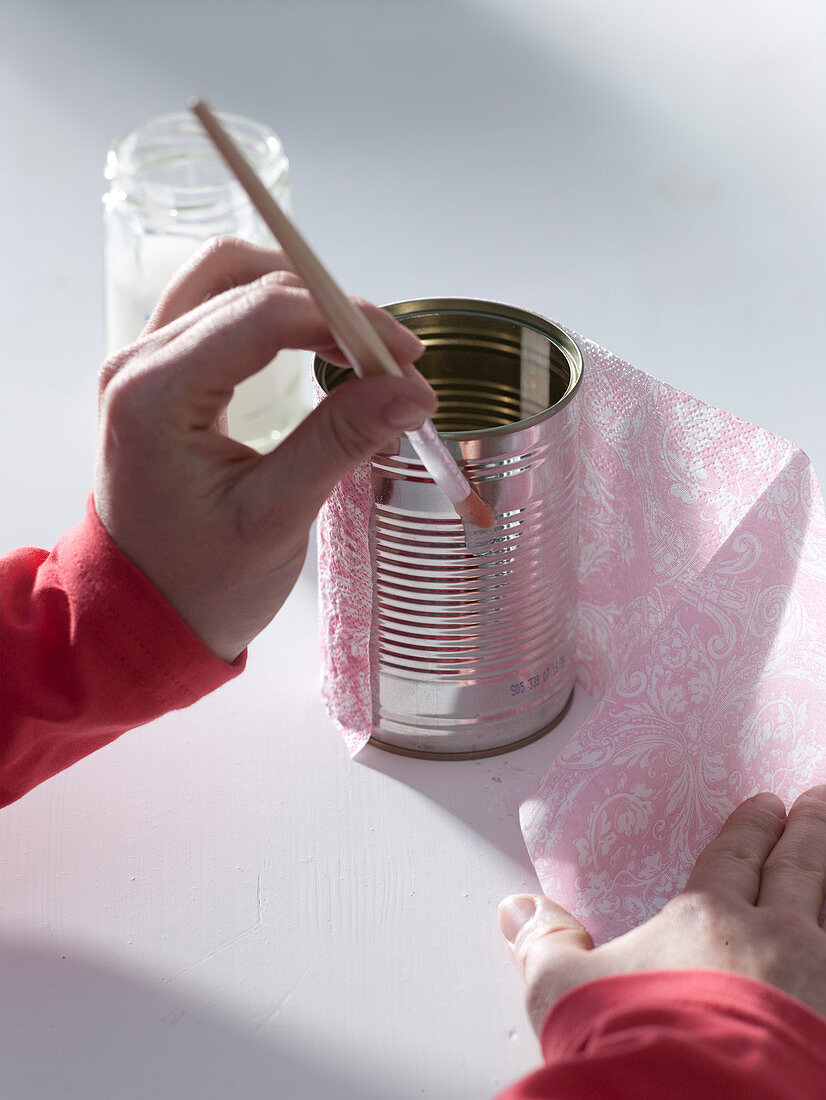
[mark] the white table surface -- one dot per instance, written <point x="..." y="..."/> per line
<point x="223" y="901"/>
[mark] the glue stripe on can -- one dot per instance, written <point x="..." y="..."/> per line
<point x="472" y="650"/>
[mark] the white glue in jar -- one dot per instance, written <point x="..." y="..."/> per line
<point x="169" y="191"/>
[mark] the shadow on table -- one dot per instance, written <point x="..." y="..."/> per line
<point x="485" y="794"/>
<point x="76" y="1028"/>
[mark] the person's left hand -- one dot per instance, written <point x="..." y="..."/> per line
<point x="218" y="528"/>
<point x="751" y="905"/>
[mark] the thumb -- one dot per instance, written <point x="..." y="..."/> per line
<point x="537" y="929"/>
<point x="353" y="422"/>
<point x="550" y="946"/>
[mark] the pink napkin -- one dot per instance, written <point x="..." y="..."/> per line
<point x="701" y="630"/>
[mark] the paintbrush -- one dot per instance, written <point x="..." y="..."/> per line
<point x="364" y="348"/>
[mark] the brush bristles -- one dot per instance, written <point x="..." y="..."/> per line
<point x="476" y="511"/>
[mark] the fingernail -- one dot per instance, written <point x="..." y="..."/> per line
<point x="818" y="792"/>
<point x="514" y="913"/>
<point x="770" y="802"/>
<point x="403" y="413"/>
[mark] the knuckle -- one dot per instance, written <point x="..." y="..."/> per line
<point x="281" y="279"/>
<point x="746" y="842"/>
<point x="695" y="907"/>
<point x="697" y="912"/>
<point x="119" y="399"/>
<point x="798" y="860"/>
<point x="214" y="262"/>
<point x="811" y="812"/>
<point x="781" y="922"/>
<point x="218" y="247"/>
<point x="350" y="438"/>
<point x="702" y="917"/>
<point x="262" y="306"/>
<point x="728" y="856"/>
<point x="229" y="256"/>
<point x="764" y="822"/>
<point x="139" y="388"/>
<point x="782" y="941"/>
<point x="114" y="364"/>
<point x="749" y="824"/>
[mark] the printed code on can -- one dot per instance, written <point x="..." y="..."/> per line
<point x="531" y="683"/>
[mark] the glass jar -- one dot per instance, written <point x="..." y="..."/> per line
<point x="169" y="191"/>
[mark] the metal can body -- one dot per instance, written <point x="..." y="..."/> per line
<point x="473" y="632"/>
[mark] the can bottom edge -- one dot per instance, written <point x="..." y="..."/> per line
<point x="478" y="754"/>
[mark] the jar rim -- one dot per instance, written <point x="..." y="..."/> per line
<point x="177" y="139"/>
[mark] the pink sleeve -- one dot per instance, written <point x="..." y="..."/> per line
<point x="678" y="1034"/>
<point x="89" y="649"/>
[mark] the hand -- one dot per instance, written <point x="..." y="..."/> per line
<point x="218" y="528"/>
<point x="750" y="905"/>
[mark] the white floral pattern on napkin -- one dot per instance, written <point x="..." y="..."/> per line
<point x="701" y="630"/>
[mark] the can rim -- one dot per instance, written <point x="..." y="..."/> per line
<point x="482" y="307"/>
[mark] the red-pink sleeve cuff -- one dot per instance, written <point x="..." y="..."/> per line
<point x="588" y="1013"/>
<point x="90" y="649"/>
<point x="125" y="608"/>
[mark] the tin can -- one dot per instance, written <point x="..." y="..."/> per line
<point x="472" y="641"/>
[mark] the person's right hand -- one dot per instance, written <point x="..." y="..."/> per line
<point x="750" y="905"/>
<point x="218" y="528"/>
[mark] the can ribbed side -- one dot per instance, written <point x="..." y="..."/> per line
<point x="473" y="651"/>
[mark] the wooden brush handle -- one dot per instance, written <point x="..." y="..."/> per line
<point x="354" y="334"/>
